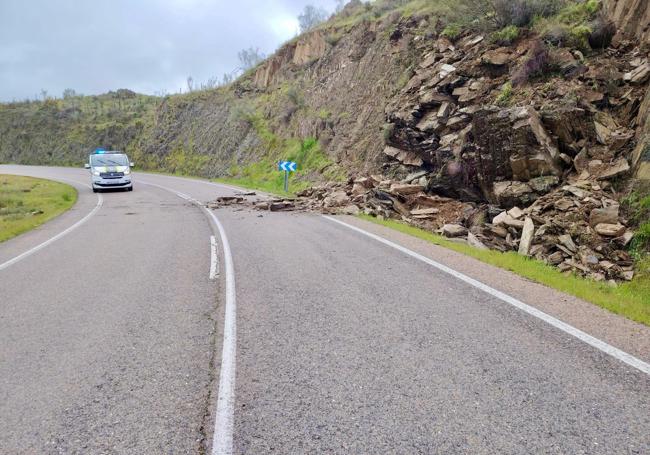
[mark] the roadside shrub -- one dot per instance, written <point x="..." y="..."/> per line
<point x="506" y="94"/>
<point x="575" y="24"/>
<point x="641" y="241"/>
<point x="506" y="36"/>
<point x="389" y="130"/>
<point x="579" y="36"/>
<point x="295" y="96"/>
<point x="536" y="64"/>
<point x="451" y="31"/>
<point x="522" y="12"/>
<point x="333" y="38"/>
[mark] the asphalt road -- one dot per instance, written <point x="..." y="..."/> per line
<point x="112" y="341"/>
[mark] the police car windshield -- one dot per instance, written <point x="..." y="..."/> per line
<point x="109" y="160"/>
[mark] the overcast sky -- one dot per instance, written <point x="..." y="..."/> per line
<point x="149" y="46"/>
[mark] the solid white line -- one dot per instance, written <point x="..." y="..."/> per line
<point x="222" y="441"/>
<point x="213" y="257"/>
<point x="10" y="262"/>
<point x="579" y="334"/>
<point x="224" y="419"/>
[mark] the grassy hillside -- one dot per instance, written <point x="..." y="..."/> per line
<point x="63" y="131"/>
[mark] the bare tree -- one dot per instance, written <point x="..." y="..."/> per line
<point x="250" y="57"/>
<point x="190" y="84"/>
<point x="310" y="17"/>
<point x="69" y="93"/>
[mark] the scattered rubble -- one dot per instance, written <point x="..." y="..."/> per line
<point x="532" y="172"/>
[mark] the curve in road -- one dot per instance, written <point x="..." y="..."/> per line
<point x="344" y="344"/>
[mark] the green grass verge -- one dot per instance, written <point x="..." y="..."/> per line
<point x="26" y="203"/>
<point x="631" y="300"/>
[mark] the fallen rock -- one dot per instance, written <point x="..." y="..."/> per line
<point x="526" y="237"/>
<point x="453" y="230"/>
<point x="351" y="210"/>
<point x="406" y="189"/>
<point x="512" y="193"/>
<point x="472" y="240"/>
<point x="619" y="168"/>
<point x="404" y="156"/>
<point x="336" y="199"/>
<point x="610" y="230"/>
<point x="608" y="215"/>
<point x="425" y="212"/>
<point x="516" y="213"/>
<point x="568" y="243"/>
<point x="497" y="57"/>
<point x="638" y="75"/>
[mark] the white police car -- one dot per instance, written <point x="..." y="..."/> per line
<point x="109" y="170"/>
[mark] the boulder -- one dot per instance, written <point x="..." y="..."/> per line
<point x="472" y="240"/>
<point x="607" y="215"/>
<point x="351" y="210"/>
<point x="497" y="57"/>
<point x="617" y="169"/>
<point x="336" y="199"/>
<point x="610" y="230"/>
<point x="568" y="243"/>
<point x="405" y="189"/>
<point x="453" y="230"/>
<point x="510" y="194"/>
<point x="514" y="145"/>
<point x="516" y="213"/>
<point x="404" y="156"/>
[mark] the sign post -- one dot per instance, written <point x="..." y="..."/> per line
<point x="287" y="166"/>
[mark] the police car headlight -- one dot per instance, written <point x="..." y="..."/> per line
<point x="96" y="173"/>
<point x="127" y="172"/>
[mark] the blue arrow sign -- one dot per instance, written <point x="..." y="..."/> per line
<point x="287" y="166"/>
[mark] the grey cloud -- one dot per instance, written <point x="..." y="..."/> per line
<point x="150" y="46"/>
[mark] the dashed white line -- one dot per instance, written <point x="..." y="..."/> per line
<point x="214" y="258"/>
<point x="577" y="333"/>
<point x="20" y="257"/>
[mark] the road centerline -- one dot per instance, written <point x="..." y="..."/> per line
<point x="222" y="438"/>
<point x="564" y="327"/>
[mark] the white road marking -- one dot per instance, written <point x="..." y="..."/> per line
<point x="224" y="419"/>
<point x="214" y="258"/>
<point x="222" y="438"/>
<point x="577" y="333"/>
<point x="20" y="257"/>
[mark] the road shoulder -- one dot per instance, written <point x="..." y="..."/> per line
<point x="629" y="336"/>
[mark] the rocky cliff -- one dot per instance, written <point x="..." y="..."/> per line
<point x="632" y="17"/>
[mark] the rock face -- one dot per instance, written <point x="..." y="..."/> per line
<point x="514" y="145"/>
<point x="641" y="154"/>
<point x="632" y="17"/>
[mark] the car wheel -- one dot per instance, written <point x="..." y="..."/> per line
<point x="95" y="190"/>
<point x="130" y="188"/>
